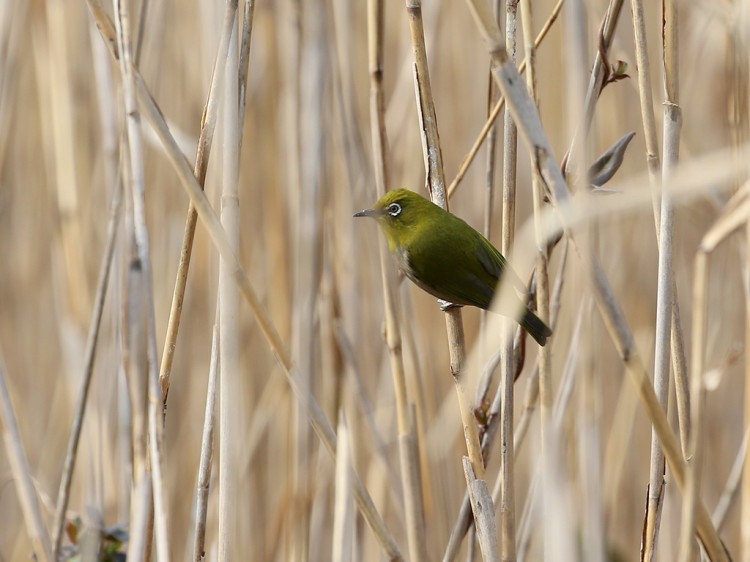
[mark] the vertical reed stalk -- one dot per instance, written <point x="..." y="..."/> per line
<point x="664" y="297"/>
<point x="408" y="451"/>
<point x="205" y="141"/>
<point x="22" y="475"/>
<point x="507" y="378"/>
<point x="207" y="447"/>
<point x="229" y="367"/>
<point x="141" y="237"/>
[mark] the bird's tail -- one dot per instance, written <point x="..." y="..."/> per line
<point x="535" y="327"/>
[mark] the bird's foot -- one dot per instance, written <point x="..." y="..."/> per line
<point x="445" y="306"/>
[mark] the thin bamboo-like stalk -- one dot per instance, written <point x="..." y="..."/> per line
<point x="137" y="186"/>
<point x="542" y="276"/>
<point x="205" y="141"/>
<point x="229" y="367"/>
<point x="66" y="478"/>
<point x="533" y="135"/>
<point x="560" y="407"/>
<point x="343" y="526"/>
<point x="436" y="182"/>
<point x="686" y="551"/>
<point x="207" y="447"/>
<point x="507" y="325"/>
<point x="62" y="131"/>
<point x="679" y="362"/>
<point x="308" y="247"/>
<point x="665" y="282"/>
<point x="19" y="465"/>
<point x="408" y="452"/>
<point x="499" y="105"/>
<point x="485" y="518"/>
<point x="732" y="487"/>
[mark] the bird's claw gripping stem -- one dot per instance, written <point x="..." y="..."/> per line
<point x="445" y="306"/>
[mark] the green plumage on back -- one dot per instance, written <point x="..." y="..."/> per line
<point x="444" y="255"/>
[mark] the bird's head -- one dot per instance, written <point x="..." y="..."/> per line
<point x="399" y="213"/>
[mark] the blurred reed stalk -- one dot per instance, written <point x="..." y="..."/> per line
<point x="66" y="478"/>
<point x="143" y="291"/>
<point x="203" y="479"/>
<point x="25" y="489"/>
<point x="507" y="325"/>
<point x="203" y="152"/>
<point x="407" y="437"/>
<point x="230" y="429"/>
<point x="672" y="127"/>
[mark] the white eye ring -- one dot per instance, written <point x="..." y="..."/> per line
<point x="394" y="209"/>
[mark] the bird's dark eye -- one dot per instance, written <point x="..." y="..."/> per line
<point x="394" y="209"/>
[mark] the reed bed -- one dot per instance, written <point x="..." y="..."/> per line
<point x="203" y="355"/>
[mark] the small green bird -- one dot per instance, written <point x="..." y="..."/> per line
<point x="445" y="256"/>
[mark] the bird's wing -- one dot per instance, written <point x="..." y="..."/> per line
<point x="496" y="265"/>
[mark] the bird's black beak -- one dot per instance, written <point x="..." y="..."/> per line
<point x="367" y="213"/>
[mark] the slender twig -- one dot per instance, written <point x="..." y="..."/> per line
<point x="206" y="455"/>
<point x="507" y="325"/>
<point x="665" y="283"/>
<point x="205" y="141"/>
<point x="732" y="487"/>
<point x="679" y="361"/>
<point x="22" y="475"/>
<point x="408" y="452"/>
<point x="63" y="494"/>
<point x="484" y="513"/>
<point x="229" y="339"/>
<point x="343" y="526"/>
<point x="137" y="186"/>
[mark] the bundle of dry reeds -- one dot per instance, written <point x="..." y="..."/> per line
<point x="203" y="355"/>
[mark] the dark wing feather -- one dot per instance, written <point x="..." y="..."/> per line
<point x="496" y="265"/>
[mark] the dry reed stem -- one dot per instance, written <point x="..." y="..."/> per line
<point x="66" y="478"/>
<point x="436" y="183"/>
<point x="205" y="141"/>
<point x="203" y="479"/>
<point x="228" y="302"/>
<point x="541" y="258"/>
<point x="19" y="465"/>
<point x="732" y="487"/>
<point x="665" y="283"/>
<point x="484" y="513"/>
<point x="507" y="325"/>
<point x="533" y="135"/>
<point x="320" y="423"/>
<point x="560" y="407"/>
<point x="343" y="516"/>
<point x="653" y="165"/>
<point x="408" y="451"/>
<point x="687" y="547"/>
<point x="137" y="187"/>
